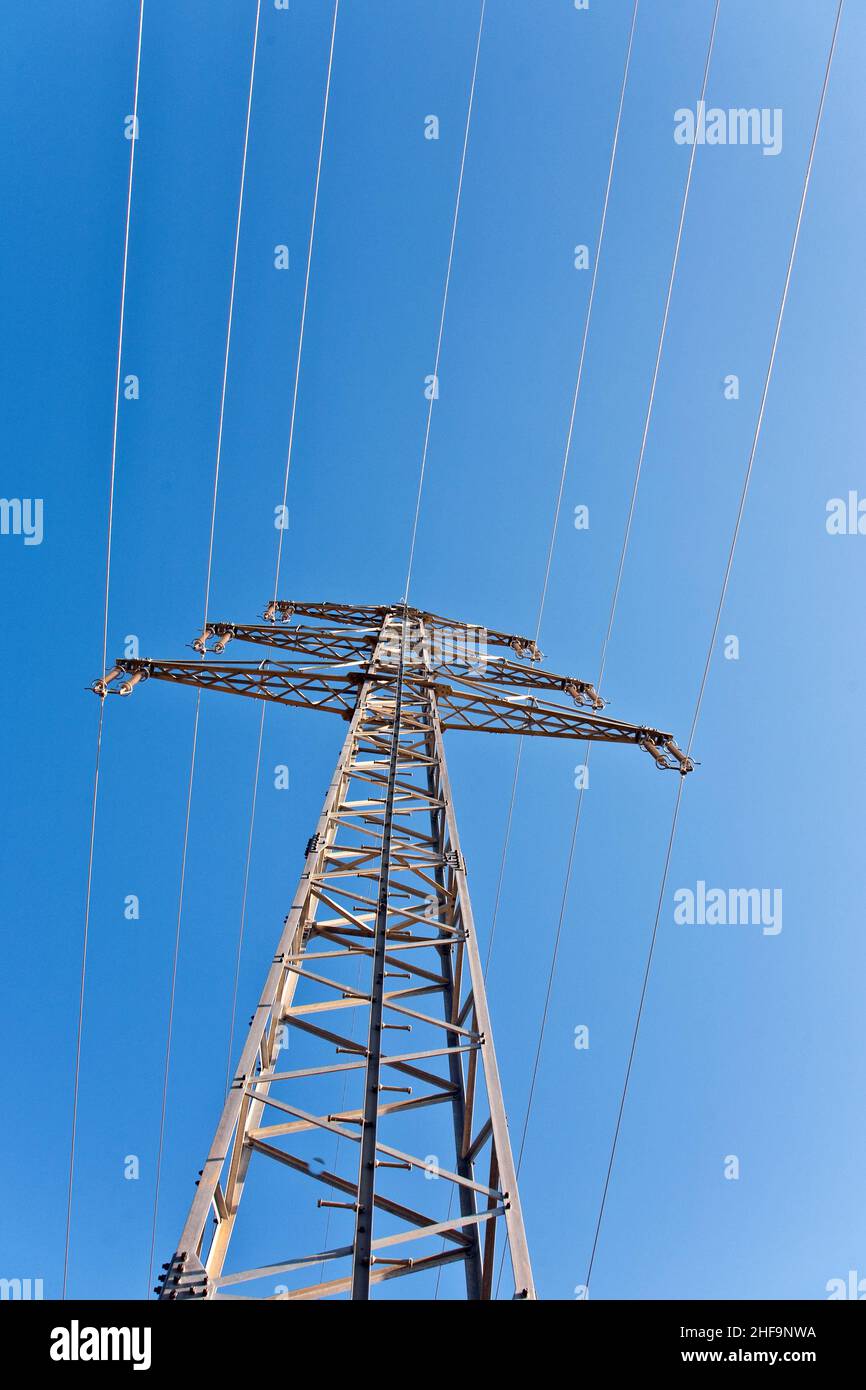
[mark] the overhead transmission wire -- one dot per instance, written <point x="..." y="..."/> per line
<point x="434" y="389"/>
<point x="715" y="630"/>
<point x="294" y="407"/>
<point x="562" y="477"/>
<point x="439" y="338"/>
<point x="100" y="725"/>
<point x="209" y="571"/>
<point x="612" y="614"/>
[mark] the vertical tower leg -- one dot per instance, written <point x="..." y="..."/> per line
<point x="385" y="712"/>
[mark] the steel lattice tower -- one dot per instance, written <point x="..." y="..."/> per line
<point x="381" y="931"/>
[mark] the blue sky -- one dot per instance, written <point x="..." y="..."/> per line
<point x="750" y="1045"/>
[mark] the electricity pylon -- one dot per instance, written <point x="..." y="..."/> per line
<point x="383" y="895"/>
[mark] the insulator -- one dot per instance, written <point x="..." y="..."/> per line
<point x="270" y="612"/>
<point x="200" y="643"/>
<point x="223" y="642"/>
<point x="128" y="686"/>
<point x="685" y="762"/>
<point x="655" y="752"/>
<point x="100" y="687"/>
<point x="524" y="647"/>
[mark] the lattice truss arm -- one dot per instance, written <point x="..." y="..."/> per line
<point x="479" y="693"/>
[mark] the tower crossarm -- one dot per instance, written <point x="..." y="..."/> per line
<point x="354" y="614"/>
<point x="327" y="644"/>
<point x="353" y="644"/>
<point x="469" y="705"/>
<point x="283" y="610"/>
<point x="475" y="706"/>
<point x="504" y="673"/>
<point x="320" y="689"/>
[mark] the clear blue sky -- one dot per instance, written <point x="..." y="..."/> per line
<point x="751" y="1045"/>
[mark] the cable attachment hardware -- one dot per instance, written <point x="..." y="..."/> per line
<point x="681" y="763"/>
<point x="136" y="672"/>
<point x="100" y="687"/>
<point x="135" y="679"/>
<point x="278" y="610"/>
<point x="686" y="764"/>
<point x="582" y="693"/>
<point x="524" y="646"/>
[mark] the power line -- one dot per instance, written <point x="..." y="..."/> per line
<point x="240" y="945"/>
<point x="657" y="364"/>
<point x="434" y="388"/>
<point x="714" y="634"/>
<point x="306" y="291"/>
<point x="565" y="460"/>
<point x="222" y="411"/>
<point x="132" y="144"/>
<point x="587" y="321"/>
<point x="258" y="762"/>
<point x="110" y="524"/>
<point x="172" y="990"/>
<point x="191" y="778"/>
<point x="614" y="602"/>
<point x="295" y="391"/>
<point x="81" y="988"/>
<point x="562" y="477"/>
<point x="440" y="335"/>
